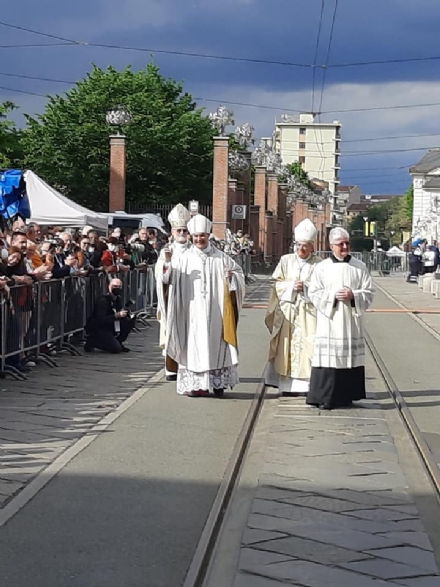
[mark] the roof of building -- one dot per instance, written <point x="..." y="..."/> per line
<point x="433" y="183"/>
<point x="346" y="188"/>
<point x="429" y="161"/>
<point x="378" y="197"/>
<point x="358" y="207"/>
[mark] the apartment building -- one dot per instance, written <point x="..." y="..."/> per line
<point x="315" y="144"/>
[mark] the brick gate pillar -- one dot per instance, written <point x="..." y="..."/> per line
<point x="220" y="187"/>
<point x="117" y="173"/>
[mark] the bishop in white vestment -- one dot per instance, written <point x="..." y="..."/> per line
<point x="291" y="316"/>
<point x="341" y="290"/>
<point x="178" y="219"/>
<point x="206" y="297"/>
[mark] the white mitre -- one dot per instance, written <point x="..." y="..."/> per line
<point x="305" y="232"/>
<point x="179" y="217"/>
<point x="199" y="224"/>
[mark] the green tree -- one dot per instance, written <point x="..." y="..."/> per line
<point x="169" y="141"/>
<point x="11" y="155"/>
<point x="297" y="170"/>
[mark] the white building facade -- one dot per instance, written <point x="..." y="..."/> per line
<point x="316" y="145"/>
<point x="426" y="201"/>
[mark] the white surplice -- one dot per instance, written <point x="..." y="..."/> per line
<point x="291" y="320"/>
<point x="176" y="249"/>
<point x="195" y="333"/>
<point x="339" y="338"/>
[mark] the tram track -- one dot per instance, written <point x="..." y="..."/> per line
<point x="423" y="449"/>
<point x="202" y="557"/>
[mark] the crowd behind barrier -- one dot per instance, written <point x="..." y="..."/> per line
<point x="47" y="316"/>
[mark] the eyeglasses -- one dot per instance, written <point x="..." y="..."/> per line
<point x="340" y="245"/>
<point x="302" y="245"/>
<point x="181" y="230"/>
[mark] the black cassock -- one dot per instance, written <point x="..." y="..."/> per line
<point x="333" y="388"/>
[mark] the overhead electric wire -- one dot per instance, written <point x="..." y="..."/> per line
<point x="34" y="32"/>
<point x="73" y="42"/>
<point x="327" y="59"/>
<point x="22" y="91"/>
<point x="32" y="45"/>
<point x="315" y="58"/>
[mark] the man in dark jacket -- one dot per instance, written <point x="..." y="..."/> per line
<point x="109" y="325"/>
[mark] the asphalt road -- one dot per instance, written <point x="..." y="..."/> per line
<point x="128" y="511"/>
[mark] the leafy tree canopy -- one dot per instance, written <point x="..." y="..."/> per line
<point x="169" y="141"/>
<point x="297" y="170"/>
<point x="10" y="151"/>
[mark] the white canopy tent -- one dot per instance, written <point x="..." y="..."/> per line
<point x="50" y="208"/>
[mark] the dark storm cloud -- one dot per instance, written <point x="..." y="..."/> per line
<point x="281" y="30"/>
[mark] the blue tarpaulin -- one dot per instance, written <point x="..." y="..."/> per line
<point x="13" y="198"/>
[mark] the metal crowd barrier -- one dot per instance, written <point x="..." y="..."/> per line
<point x="379" y="261"/>
<point x="49" y="315"/>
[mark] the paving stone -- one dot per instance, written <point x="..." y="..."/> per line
<point x="325" y="533"/>
<point x="409" y="555"/>
<point x="385" y="569"/>
<point x="379" y="514"/>
<point x="246" y="580"/>
<point x="314" y="575"/>
<point x="251" y="536"/>
<point x="421" y="582"/>
<point x="419" y="539"/>
<point x="311" y="550"/>
<point x="253" y="560"/>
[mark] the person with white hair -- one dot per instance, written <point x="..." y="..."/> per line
<point x="291" y="316"/>
<point x="203" y="307"/>
<point x="178" y="219"/>
<point x="341" y="290"/>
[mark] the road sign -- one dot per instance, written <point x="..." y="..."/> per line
<point x="239" y="212"/>
<point x="194" y="207"/>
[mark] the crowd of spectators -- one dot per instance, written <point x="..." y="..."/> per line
<point x="30" y="254"/>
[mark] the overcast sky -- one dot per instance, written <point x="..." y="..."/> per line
<point x="269" y="30"/>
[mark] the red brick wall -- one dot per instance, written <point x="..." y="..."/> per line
<point x="269" y="224"/>
<point x="117" y="173"/>
<point x="254" y="225"/>
<point x="220" y="186"/>
<point x="260" y="200"/>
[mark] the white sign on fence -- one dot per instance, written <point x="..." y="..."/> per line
<point x="194" y="206"/>
<point x="239" y="212"/>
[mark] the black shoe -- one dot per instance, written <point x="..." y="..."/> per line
<point x="219" y="392"/>
<point x="125" y="349"/>
<point x="171" y="377"/>
<point x="88" y="348"/>
<point x="325" y="407"/>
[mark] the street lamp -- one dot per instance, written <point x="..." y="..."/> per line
<point x="117" y="117"/>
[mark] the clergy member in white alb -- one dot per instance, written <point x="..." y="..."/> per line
<point x="341" y="290"/>
<point x="178" y="219"/>
<point x="205" y="300"/>
<point x="291" y="317"/>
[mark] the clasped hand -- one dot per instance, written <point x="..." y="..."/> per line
<point x="345" y="294"/>
<point x="299" y="286"/>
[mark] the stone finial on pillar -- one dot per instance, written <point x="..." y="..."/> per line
<point x="220" y="187"/>
<point x="117" y="173"/>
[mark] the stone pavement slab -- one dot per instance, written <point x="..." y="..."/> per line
<point x="333" y="498"/>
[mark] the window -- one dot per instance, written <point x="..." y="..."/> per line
<point x="302" y="145"/>
<point x="302" y="160"/>
<point x="302" y="131"/>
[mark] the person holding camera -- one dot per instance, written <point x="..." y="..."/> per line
<point x="110" y="323"/>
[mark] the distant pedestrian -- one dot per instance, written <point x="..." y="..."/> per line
<point x="341" y="290"/>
